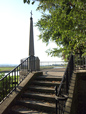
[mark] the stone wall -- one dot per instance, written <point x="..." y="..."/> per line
<point x="78" y="104"/>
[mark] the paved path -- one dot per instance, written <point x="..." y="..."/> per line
<point x="54" y="72"/>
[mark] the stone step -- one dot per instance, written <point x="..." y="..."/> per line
<point x="42" y="89"/>
<point x="36" y="105"/>
<point x="27" y="112"/>
<point x="23" y="110"/>
<point x="39" y="96"/>
<point x="49" y="78"/>
<point x="46" y="83"/>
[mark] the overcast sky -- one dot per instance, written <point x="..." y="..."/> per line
<point x="14" y="32"/>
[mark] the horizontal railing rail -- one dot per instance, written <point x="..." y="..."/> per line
<point x="9" y="82"/>
<point x="62" y="91"/>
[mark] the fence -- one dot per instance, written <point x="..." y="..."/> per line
<point x="10" y="81"/>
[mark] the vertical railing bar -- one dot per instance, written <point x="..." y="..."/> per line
<point x="12" y="80"/>
<point x="3" y="88"/>
<point x="59" y="107"/>
<point x="56" y="99"/>
<point x="15" y="78"/>
<point x="27" y="65"/>
<point x="9" y="83"/>
<point x="24" y="66"/>
<point x="67" y="81"/>
<point x="34" y="63"/>
<point x="6" y="85"/>
<point x="17" y="75"/>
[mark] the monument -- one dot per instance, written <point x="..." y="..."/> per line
<point x="31" y="38"/>
<point x="33" y="62"/>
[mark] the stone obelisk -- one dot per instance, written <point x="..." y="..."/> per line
<point x="34" y="62"/>
<point x="31" y="38"/>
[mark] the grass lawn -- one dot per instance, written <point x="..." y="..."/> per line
<point x="6" y="68"/>
<point x="46" y="67"/>
<point x="50" y="67"/>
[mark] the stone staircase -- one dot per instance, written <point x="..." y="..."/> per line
<point x="38" y="97"/>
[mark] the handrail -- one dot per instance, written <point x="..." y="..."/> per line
<point x="11" y="80"/>
<point x="76" y="62"/>
<point x="14" y="68"/>
<point x="64" y="87"/>
<point x="65" y="74"/>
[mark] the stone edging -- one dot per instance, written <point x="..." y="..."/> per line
<point x="71" y="95"/>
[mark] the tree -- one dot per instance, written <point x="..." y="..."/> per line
<point x="28" y="1"/>
<point x="65" y="24"/>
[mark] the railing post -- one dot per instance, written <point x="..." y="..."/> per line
<point x="3" y="88"/>
<point x="67" y="82"/>
<point x="27" y="65"/>
<point x="34" y="64"/>
<point x="56" y="99"/>
<point x="73" y="62"/>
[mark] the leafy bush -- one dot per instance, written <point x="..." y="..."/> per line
<point x="2" y="75"/>
<point x="7" y="84"/>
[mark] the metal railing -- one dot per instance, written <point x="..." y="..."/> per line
<point x="80" y="62"/>
<point x="62" y="91"/>
<point x="10" y="81"/>
<point x="76" y="62"/>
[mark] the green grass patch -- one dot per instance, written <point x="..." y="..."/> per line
<point x="46" y="67"/>
<point x="51" y="67"/>
<point x="6" y="68"/>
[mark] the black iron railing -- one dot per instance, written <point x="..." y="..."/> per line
<point x="10" y="81"/>
<point x="76" y="62"/>
<point x="80" y="62"/>
<point x="62" y="91"/>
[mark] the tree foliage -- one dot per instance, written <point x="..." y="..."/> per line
<point x="64" y="23"/>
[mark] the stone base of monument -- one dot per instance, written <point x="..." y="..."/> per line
<point x="33" y="65"/>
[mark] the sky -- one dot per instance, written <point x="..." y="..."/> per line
<point x="14" y="32"/>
